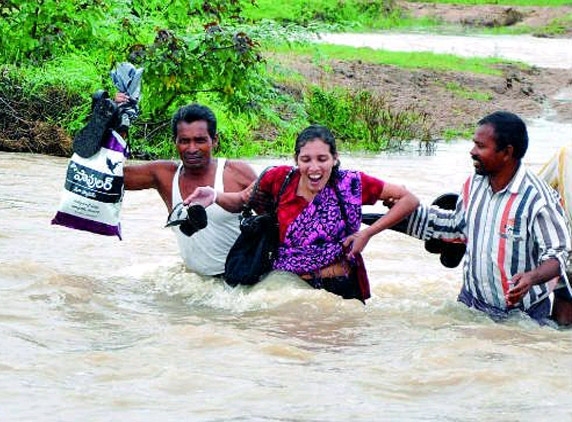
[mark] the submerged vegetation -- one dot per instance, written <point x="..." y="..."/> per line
<point x="222" y="53"/>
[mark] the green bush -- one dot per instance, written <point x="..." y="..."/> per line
<point x="364" y="121"/>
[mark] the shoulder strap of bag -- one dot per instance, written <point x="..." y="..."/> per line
<point x="340" y="199"/>
<point x="248" y="207"/>
<point x="283" y="187"/>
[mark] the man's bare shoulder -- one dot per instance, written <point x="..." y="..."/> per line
<point x="240" y="173"/>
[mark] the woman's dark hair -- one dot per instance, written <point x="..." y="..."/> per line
<point x="324" y="134"/>
<point x="192" y="113"/>
<point x="509" y="129"/>
<point x="312" y="132"/>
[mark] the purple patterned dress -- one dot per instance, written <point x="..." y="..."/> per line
<point x="314" y="239"/>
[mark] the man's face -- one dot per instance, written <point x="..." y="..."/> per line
<point x="194" y="144"/>
<point x="486" y="159"/>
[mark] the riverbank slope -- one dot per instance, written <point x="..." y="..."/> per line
<point x="452" y="100"/>
<point x="456" y="100"/>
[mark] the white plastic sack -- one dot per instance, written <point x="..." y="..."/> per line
<point x="93" y="190"/>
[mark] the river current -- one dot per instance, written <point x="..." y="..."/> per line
<point x="94" y="328"/>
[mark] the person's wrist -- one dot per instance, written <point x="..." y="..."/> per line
<point x="244" y="196"/>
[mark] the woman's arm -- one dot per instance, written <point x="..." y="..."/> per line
<point x="404" y="203"/>
<point x="234" y="201"/>
<point x="230" y="201"/>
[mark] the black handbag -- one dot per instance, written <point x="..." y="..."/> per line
<point x="253" y="253"/>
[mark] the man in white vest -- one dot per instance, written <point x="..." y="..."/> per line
<point x="195" y="136"/>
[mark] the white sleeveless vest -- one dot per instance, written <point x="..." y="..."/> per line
<point x="205" y="251"/>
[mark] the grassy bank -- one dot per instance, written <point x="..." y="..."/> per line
<point x="360" y="119"/>
<point x="421" y="60"/>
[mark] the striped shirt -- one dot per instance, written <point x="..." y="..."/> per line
<point x="507" y="232"/>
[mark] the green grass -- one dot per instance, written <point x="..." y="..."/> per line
<point x="442" y="62"/>
<point x="293" y="10"/>
<point x="267" y="9"/>
<point x="458" y="90"/>
<point x="557" y="26"/>
<point x="350" y="15"/>
<point x="451" y="134"/>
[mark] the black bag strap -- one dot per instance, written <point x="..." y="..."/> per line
<point x="283" y="187"/>
<point x="340" y="199"/>
<point x="248" y="207"/>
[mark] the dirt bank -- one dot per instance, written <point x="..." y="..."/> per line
<point x="456" y="100"/>
<point x="453" y="100"/>
<point x="489" y="16"/>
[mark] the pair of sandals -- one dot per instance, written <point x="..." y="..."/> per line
<point x="107" y="115"/>
<point x="190" y="219"/>
<point x="90" y="138"/>
<point x="451" y="253"/>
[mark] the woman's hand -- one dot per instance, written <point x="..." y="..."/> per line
<point x="355" y="243"/>
<point x="204" y="195"/>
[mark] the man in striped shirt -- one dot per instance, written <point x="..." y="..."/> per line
<point x="512" y="222"/>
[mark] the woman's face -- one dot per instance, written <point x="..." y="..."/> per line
<point x="315" y="162"/>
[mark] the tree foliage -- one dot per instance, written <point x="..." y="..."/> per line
<point x="31" y="32"/>
<point x="186" y="47"/>
<point x="217" y="61"/>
